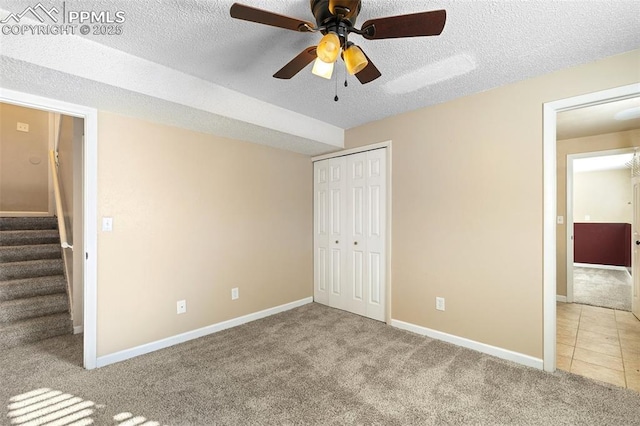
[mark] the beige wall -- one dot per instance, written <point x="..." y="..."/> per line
<point x="70" y="151"/>
<point x="24" y="178"/>
<point x="565" y="147"/>
<point x="65" y="172"/>
<point x="193" y="216"/>
<point x="78" y="221"/>
<point x="602" y="196"/>
<point x="467" y="205"/>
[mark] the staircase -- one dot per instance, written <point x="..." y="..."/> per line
<point x="33" y="292"/>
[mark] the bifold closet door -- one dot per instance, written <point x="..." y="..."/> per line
<point x="330" y="218"/>
<point x="366" y="218"/>
<point x="349" y="241"/>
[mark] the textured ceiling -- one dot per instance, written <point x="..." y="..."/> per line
<point x="598" y="119"/>
<point x="485" y="44"/>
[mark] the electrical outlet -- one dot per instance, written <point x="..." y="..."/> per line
<point x="235" y="293"/>
<point x="22" y="127"/>
<point x="440" y="303"/>
<point x="182" y="306"/>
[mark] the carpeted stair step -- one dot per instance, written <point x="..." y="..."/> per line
<point x="29" y="252"/>
<point x="31" y="269"/>
<point x="31" y="307"/>
<point x="34" y="329"/>
<point x="30" y="287"/>
<point x="23" y="238"/>
<point x="34" y="304"/>
<point x="29" y="223"/>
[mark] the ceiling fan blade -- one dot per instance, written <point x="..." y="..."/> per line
<point x="368" y="73"/>
<point x="413" y="25"/>
<point x="296" y="65"/>
<point x="251" y="14"/>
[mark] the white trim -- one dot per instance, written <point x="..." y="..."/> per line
<point x="569" y="228"/>
<point x="90" y="116"/>
<point x="595" y="266"/>
<point x="364" y="148"/>
<point x="78" y="329"/>
<point x="194" y="334"/>
<point x="561" y="299"/>
<point x="517" y="357"/>
<point x="550" y="110"/>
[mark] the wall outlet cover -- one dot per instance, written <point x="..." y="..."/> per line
<point x="235" y="293"/>
<point x="440" y="303"/>
<point x="181" y="306"/>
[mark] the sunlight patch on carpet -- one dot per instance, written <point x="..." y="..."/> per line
<point x="48" y="407"/>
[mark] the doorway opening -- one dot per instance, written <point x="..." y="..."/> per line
<point x="87" y="256"/>
<point x="599" y="213"/>
<point x="551" y="218"/>
<point x="41" y="211"/>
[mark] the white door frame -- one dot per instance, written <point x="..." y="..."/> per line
<point x="90" y="204"/>
<point x="550" y="211"/>
<point x="569" y="209"/>
<point x="387" y="145"/>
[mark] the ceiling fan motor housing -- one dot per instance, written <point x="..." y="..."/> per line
<point x="335" y="15"/>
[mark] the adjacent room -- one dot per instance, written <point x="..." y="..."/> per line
<point x="319" y="212"/>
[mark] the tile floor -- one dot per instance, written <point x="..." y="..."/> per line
<point x="600" y="343"/>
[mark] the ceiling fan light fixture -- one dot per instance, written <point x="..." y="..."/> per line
<point x="354" y="59"/>
<point x="329" y="48"/>
<point x="322" y="69"/>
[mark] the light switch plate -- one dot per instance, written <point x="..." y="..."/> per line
<point x="107" y="224"/>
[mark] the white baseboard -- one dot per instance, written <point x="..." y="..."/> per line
<point x="560" y="298"/>
<point x="471" y="344"/>
<point x="593" y="265"/>
<point x="78" y="329"/>
<point x="194" y="334"/>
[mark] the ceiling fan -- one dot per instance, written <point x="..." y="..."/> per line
<point x="336" y="20"/>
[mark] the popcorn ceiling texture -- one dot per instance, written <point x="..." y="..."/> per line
<point x="165" y="43"/>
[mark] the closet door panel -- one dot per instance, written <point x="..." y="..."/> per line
<point x="356" y="228"/>
<point x="321" y="231"/>
<point x="375" y="277"/>
<point x="338" y="293"/>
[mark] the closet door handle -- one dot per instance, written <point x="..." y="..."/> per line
<point x="337" y="241"/>
<point x="355" y="243"/>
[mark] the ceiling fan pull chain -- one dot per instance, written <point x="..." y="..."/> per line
<point x="336" y="98"/>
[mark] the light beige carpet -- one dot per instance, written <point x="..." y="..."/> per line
<point x="312" y="365"/>
<point x="608" y="288"/>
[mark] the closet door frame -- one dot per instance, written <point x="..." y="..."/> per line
<point x="382" y="145"/>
